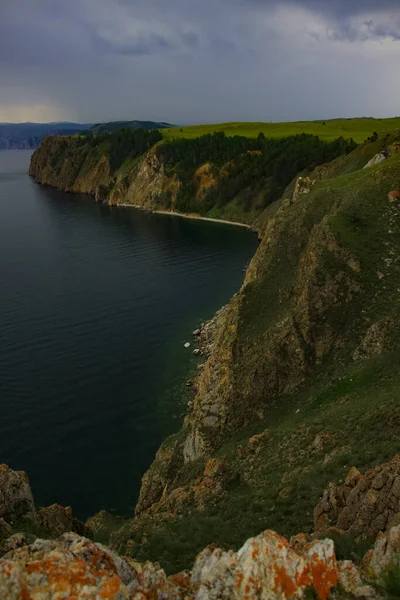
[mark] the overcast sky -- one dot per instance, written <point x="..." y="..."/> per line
<point x="198" y="61"/>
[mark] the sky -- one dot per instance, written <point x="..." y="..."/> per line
<point x="198" y="61"/>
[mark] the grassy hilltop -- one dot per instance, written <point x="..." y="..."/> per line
<point x="359" y="129"/>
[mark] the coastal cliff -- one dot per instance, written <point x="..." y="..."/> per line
<point x="302" y="379"/>
<point x="215" y="176"/>
<point x="299" y="380"/>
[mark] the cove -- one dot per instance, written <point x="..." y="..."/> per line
<point x="96" y="304"/>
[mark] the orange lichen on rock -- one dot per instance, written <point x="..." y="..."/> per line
<point x="394" y="195"/>
<point x="267" y="566"/>
<point x="323" y="567"/>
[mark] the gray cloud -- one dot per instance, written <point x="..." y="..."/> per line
<point x="187" y="61"/>
<point x="150" y="44"/>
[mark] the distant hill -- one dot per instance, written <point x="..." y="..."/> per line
<point x="14" y="136"/>
<point x="115" y="125"/>
<point x="29" y="135"/>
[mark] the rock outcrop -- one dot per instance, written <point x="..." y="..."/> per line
<point x="364" y="505"/>
<point x="18" y="511"/>
<point x="16" y="500"/>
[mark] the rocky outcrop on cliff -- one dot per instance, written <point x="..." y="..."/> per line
<point x="19" y="513"/>
<point x="364" y="504"/>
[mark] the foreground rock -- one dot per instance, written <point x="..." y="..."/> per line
<point x="266" y="567"/>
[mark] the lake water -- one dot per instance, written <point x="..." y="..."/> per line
<point x="95" y="306"/>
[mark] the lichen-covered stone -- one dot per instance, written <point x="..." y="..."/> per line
<point x="351" y="582"/>
<point x="265" y="567"/>
<point x="73" y="567"/>
<point x="385" y="554"/>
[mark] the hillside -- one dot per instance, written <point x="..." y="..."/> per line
<point x="28" y="136"/>
<point x="359" y="129"/>
<point x="303" y="378"/>
<point x="116" y="125"/>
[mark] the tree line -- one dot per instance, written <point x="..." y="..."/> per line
<point x="254" y="168"/>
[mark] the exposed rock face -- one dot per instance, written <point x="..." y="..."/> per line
<point x="303" y="186"/>
<point x="385" y="554"/>
<point x="378" y="158"/>
<point x="58" y="519"/>
<point x="364" y="504"/>
<point x="18" y="508"/>
<point x="64" y="164"/>
<point x="146" y="184"/>
<point x="16" y="500"/>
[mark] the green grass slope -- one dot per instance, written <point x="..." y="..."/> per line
<point x="314" y="364"/>
<point x="358" y="129"/>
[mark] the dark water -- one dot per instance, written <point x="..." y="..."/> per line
<point x="95" y="306"/>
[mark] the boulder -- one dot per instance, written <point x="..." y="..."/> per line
<point x="375" y="160"/>
<point x="75" y="567"/>
<point x="56" y="519"/>
<point x="265" y="567"/>
<point x="16" y="500"/>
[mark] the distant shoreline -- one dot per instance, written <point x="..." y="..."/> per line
<point x="183" y="215"/>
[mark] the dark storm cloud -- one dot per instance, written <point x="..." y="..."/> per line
<point x="190" y="61"/>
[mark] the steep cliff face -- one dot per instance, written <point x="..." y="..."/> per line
<point x="68" y="165"/>
<point x="306" y="298"/>
<point x="303" y="365"/>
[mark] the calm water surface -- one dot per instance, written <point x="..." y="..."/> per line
<point x="95" y="306"/>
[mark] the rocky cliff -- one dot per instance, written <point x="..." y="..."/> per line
<point x="234" y="178"/>
<point x="21" y="520"/>
<point x="301" y="377"/>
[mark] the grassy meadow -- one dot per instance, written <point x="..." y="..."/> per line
<point x="359" y="129"/>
